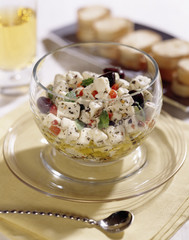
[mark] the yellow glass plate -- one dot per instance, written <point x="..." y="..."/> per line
<point x="165" y="152"/>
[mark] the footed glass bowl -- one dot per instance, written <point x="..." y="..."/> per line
<point x="95" y="103"/>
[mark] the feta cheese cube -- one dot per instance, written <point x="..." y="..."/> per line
<point x="99" y="137"/>
<point x="58" y="79"/>
<point x="84" y="117"/>
<point x="122" y="91"/>
<point x="123" y="83"/>
<point x="62" y="134"/>
<point x="102" y="85"/>
<point x="116" y="134"/>
<point x="60" y="87"/>
<point x="87" y="74"/>
<point x="95" y="108"/>
<point x="87" y="91"/>
<point x="73" y="78"/>
<point x="130" y="124"/>
<point x="68" y="109"/>
<point x="66" y="122"/>
<point x="86" y="135"/>
<point x="69" y="130"/>
<point x="150" y="110"/>
<point x="49" y="118"/>
<point x="139" y="82"/>
<point x="83" y="102"/>
<point x="116" y="116"/>
<point x="122" y="105"/>
<point x="147" y="96"/>
<point x="126" y="100"/>
<point x="130" y="111"/>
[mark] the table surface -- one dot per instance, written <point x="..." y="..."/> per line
<point x="170" y="16"/>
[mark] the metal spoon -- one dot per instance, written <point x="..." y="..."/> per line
<point x="116" y="222"/>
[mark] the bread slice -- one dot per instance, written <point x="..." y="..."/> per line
<point x="112" y="28"/>
<point x="141" y="39"/>
<point x="85" y="35"/>
<point x="167" y="74"/>
<point x="180" y="89"/>
<point x="88" y="15"/>
<point x="183" y="71"/>
<point x="180" y="85"/>
<point x="131" y="59"/>
<point x="167" y="53"/>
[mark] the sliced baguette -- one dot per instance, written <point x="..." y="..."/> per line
<point x="88" y="15"/>
<point x="141" y="39"/>
<point x="112" y="28"/>
<point x="183" y="71"/>
<point x="167" y="74"/>
<point x="180" y="89"/>
<point x="131" y="59"/>
<point x="85" y="35"/>
<point x="167" y="53"/>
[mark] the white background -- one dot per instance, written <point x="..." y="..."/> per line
<point x="171" y="16"/>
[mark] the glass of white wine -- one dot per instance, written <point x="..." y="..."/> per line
<point x="17" y="43"/>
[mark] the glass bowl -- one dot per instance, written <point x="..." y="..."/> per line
<point x="95" y="103"/>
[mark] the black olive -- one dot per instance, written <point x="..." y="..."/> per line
<point x="138" y="98"/>
<point x="82" y="107"/>
<point x="111" y="123"/>
<point x="115" y="69"/>
<point x="110" y="76"/>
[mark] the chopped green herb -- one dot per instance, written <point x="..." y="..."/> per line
<point x="50" y="95"/>
<point x="70" y="96"/>
<point x="87" y="82"/>
<point x="79" y="124"/>
<point x="104" y="120"/>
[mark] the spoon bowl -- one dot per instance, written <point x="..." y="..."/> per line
<point x="117" y="221"/>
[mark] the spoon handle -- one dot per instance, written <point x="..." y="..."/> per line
<point x="51" y="214"/>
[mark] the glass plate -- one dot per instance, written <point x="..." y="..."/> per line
<point x="165" y="153"/>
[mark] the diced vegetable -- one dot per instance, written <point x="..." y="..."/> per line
<point x="54" y="129"/>
<point x="87" y="82"/>
<point x="53" y="109"/>
<point x="50" y="95"/>
<point x="115" y="86"/>
<point x="94" y="93"/>
<point x="113" y="93"/>
<point x="70" y="96"/>
<point x="79" y="124"/>
<point x="104" y="120"/>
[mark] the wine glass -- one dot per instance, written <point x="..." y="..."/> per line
<point x="17" y="43"/>
<point x="95" y="110"/>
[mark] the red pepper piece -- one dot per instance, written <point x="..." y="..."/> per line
<point x="113" y="93"/>
<point x="54" y="129"/>
<point x="53" y="109"/>
<point x="94" y="93"/>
